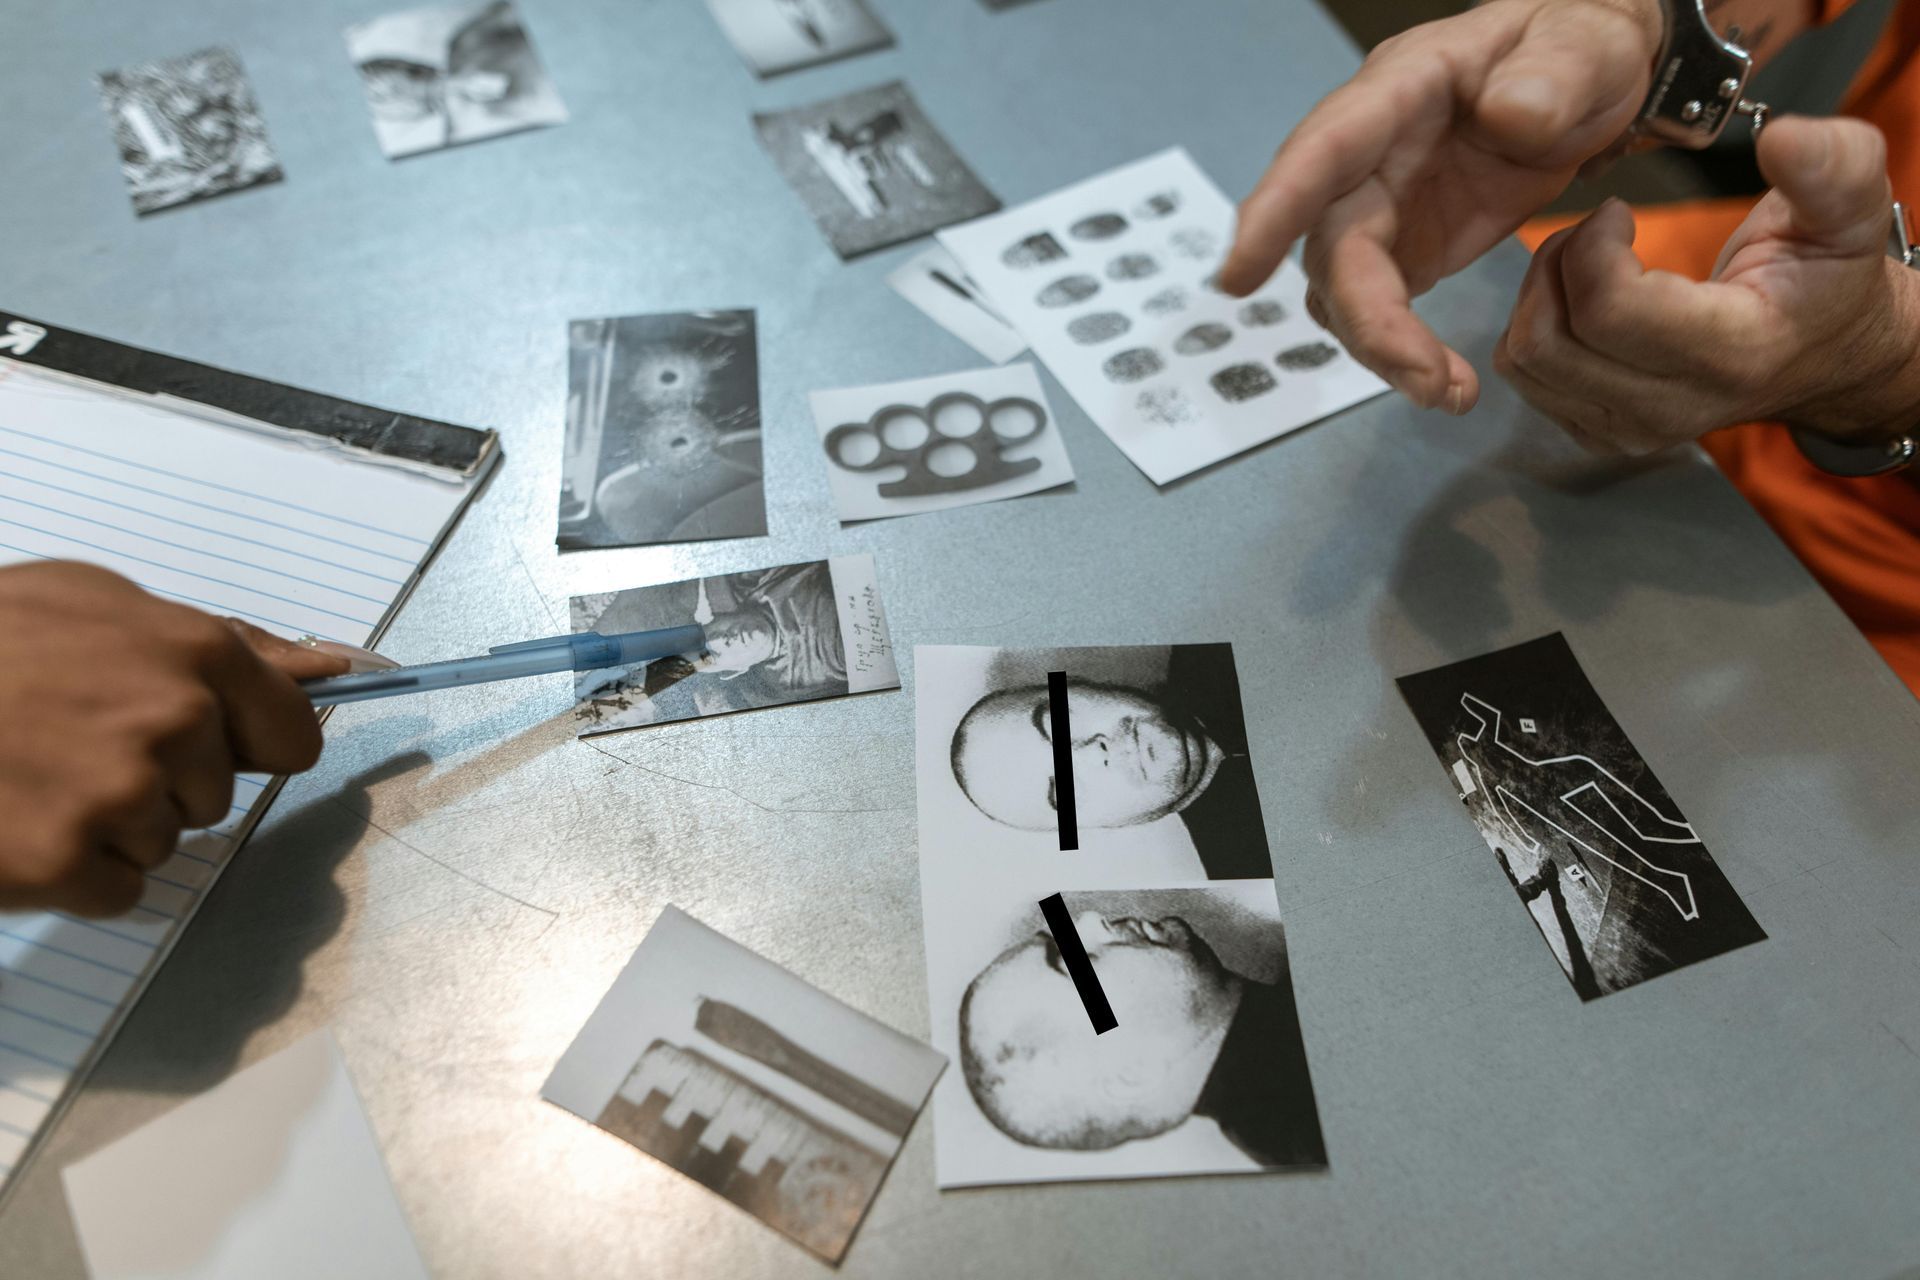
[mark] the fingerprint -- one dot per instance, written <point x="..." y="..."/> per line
<point x="1067" y="290"/>
<point x="1157" y="205"/>
<point x="1166" y="406"/>
<point x="1202" y="338"/>
<point x="1192" y="242"/>
<point x="1133" y="365"/>
<point x="1166" y="302"/>
<point x="1101" y="226"/>
<point x="1239" y="382"/>
<point x="1308" y="355"/>
<point x="1098" y="327"/>
<point x="1132" y="266"/>
<point x="1262" y="312"/>
<point x="1032" y="251"/>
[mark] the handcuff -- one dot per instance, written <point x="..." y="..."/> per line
<point x="1699" y="87"/>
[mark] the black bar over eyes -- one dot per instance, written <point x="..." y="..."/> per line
<point x="1062" y="736"/>
<point x="1079" y="968"/>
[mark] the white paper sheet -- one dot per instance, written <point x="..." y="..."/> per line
<point x="275" y="1172"/>
<point x="935" y="282"/>
<point x="1107" y="279"/>
<point x="920" y="422"/>
<point x="294" y="538"/>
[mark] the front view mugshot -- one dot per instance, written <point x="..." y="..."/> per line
<point x="1139" y="754"/>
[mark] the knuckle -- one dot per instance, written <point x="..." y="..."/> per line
<point x="125" y="786"/>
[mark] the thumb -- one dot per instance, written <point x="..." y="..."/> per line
<point x="1832" y="174"/>
<point x="295" y="661"/>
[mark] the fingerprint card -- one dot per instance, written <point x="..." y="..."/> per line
<point x="1110" y="280"/>
<point x="898" y="448"/>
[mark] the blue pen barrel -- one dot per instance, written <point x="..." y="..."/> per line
<point x="586" y="651"/>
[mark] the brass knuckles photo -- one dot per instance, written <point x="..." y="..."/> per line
<point x="956" y="442"/>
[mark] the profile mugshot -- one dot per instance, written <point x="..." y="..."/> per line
<point x="1140" y="753"/>
<point x="1194" y="1039"/>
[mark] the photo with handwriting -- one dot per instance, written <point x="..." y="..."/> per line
<point x="784" y="35"/>
<point x="872" y="169"/>
<point x="187" y="128"/>
<point x="760" y="1087"/>
<point x="1618" y="882"/>
<point x="794" y="633"/>
<point x="662" y="436"/>
<point x="439" y="76"/>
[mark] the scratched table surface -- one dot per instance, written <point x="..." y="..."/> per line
<point x="460" y="879"/>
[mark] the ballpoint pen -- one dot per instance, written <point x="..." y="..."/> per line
<point x="586" y="651"/>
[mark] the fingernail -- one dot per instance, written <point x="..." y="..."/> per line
<point x="357" y="659"/>
<point x="1456" y="397"/>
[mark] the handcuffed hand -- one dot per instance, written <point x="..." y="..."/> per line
<point x="1805" y="318"/>
<point x="1451" y="136"/>
<point x="123" y="719"/>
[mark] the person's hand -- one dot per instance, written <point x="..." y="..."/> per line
<point x="1806" y="318"/>
<point x="1451" y="136"/>
<point x="123" y="719"/>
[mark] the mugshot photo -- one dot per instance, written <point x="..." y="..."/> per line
<point x="1205" y="1071"/>
<point x="1163" y="783"/>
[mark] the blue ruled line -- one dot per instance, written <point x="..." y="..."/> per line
<point x="224" y="488"/>
<point x="207" y="506"/>
<point x="210" y="531"/>
<point x="73" y="955"/>
<point x="64" y="990"/>
<point x="198" y="551"/>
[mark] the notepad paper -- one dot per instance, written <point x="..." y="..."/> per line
<point x="274" y="1173"/>
<point x="294" y="537"/>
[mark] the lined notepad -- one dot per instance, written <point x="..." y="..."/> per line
<point x="293" y="534"/>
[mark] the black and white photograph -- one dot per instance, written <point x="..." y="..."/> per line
<point x="872" y="169"/>
<point x="187" y="128"/>
<point x="663" y="431"/>
<point x="732" y="1071"/>
<point x="1618" y="881"/>
<point x="784" y="35"/>
<point x="1204" y="1072"/>
<point x="928" y="444"/>
<point x="439" y="76"/>
<point x="793" y="633"/>
<point x="936" y="283"/>
<point x="1163" y="780"/>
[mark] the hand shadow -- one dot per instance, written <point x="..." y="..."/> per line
<point x="220" y="985"/>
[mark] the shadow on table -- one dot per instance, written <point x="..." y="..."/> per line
<point x="241" y="964"/>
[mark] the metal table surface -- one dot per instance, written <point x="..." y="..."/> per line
<point x="458" y="882"/>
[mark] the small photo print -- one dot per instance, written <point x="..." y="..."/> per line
<point x="794" y="633"/>
<point x="759" y="1087"/>
<point x="935" y="282"/>
<point x="931" y="443"/>
<point x="440" y="76"/>
<point x="872" y="169"/>
<point x="187" y="128"/>
<point x="1616" y="879"/>
<point x="1163" y="783"/>
<point x="1204" y="1072"/>
<point x="784" y="35"/>
<point x="663" y="431"/>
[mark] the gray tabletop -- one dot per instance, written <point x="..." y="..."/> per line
<point x="458" y="882"/>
